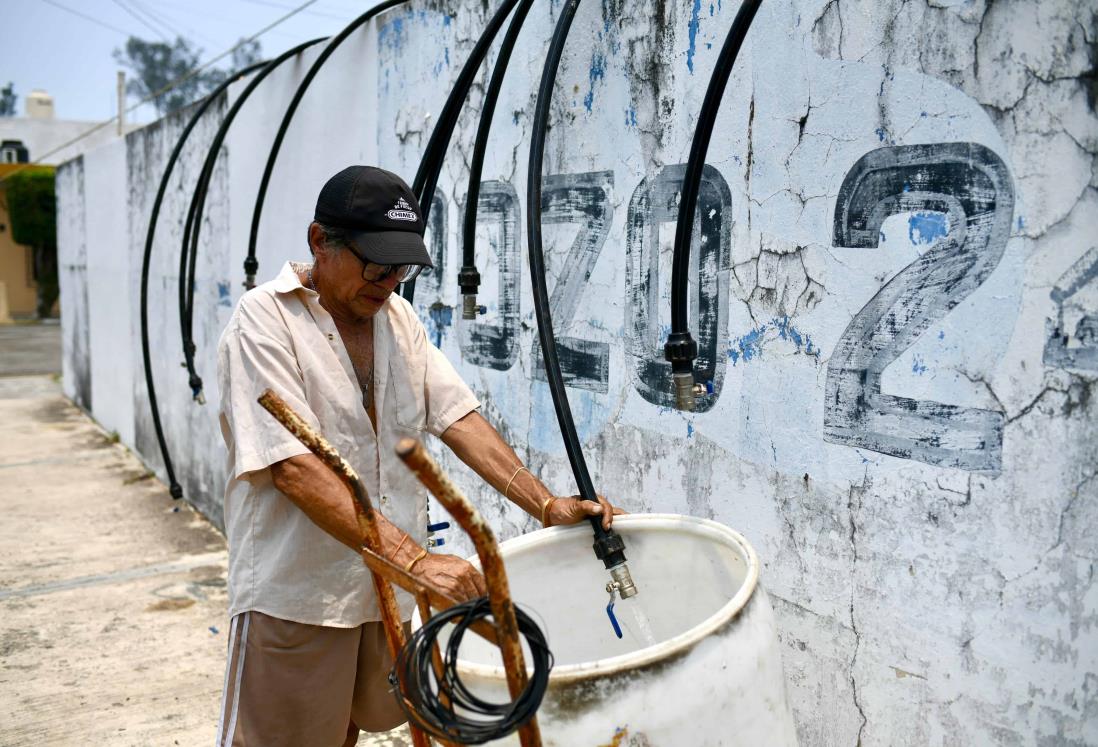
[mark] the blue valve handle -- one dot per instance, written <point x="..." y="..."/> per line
<point x="613" y="620"/>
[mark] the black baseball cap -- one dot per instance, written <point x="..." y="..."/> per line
<point x="379" y="213"/>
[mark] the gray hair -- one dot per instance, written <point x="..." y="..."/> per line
<point x="335" y="238"/>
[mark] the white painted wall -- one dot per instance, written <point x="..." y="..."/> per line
<point x="933" y="574"/>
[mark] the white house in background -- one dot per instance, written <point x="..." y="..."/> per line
<point x="40" y="132"/>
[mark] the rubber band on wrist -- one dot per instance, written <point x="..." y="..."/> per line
<point x="416" y="559"/>
<point x="545" y="511"/>
<point x="507" y="490"/>
<point x="399" y="544"/>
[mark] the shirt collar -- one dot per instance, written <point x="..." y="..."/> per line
<point x="287" y="280"/>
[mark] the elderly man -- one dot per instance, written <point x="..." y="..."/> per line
<point x="307" y="661"/>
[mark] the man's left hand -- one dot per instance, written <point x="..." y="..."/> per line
<point x="573" y="509"/>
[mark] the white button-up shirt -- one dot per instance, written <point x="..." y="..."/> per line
<point x="280" y="562"/>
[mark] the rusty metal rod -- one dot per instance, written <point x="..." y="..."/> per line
<point x="415" y="456"/>
<point x="367" y="521"/>
<point x="439" y="599"/>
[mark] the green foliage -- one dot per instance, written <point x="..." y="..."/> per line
<point x="33" y="214"/>
<point x="7" y="100"/>
<point x="31" y="205"/>
<point x="157" y="64"/>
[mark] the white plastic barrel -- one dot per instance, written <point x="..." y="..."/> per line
<point x="713" y="676"/>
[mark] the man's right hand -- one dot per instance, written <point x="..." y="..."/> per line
<point x="453" y="575"/>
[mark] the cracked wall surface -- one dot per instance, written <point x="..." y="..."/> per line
<point x="895" y="297"/>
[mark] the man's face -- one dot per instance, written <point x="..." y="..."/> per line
<point x="346" y="292"/>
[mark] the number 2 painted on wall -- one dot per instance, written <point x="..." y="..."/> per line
<point x="972" y="185"/>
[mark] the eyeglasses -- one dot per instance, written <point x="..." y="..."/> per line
<point x="372" y="272"/>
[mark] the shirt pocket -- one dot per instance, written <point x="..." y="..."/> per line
<point x="408" y="382"/>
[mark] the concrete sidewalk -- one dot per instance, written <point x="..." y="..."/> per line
<point x="112" y="596"/>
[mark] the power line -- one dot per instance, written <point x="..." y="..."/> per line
<point x="185" y="77"/>
<point x="169" y="23"/>
<point x="90" y="19"/>
<point x="283" y="6"/>
<point x="140" y="19"/>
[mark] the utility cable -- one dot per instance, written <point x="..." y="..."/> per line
<point x="89" y="19"/>
<point x="192" y="228"/>
<point x="430" y="165"/>
<point x="142" y="20"/>
<point x="441" y="704"/>
<point x="681" y="349"/>
<point x="609" y="546"/>
<point x="468" y="276"/>
<point x="251" y="264"/>
<point x="173" y="485"/>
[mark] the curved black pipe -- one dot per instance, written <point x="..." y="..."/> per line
<point x="251" y="265"/>
<point x="191" y="230"/>
<point x="430" y="166"/>
<point x="609" y="546"/>
<point x="173" y="485"/>
<point x="681" y="349"/>
<point x="468" y="277"/>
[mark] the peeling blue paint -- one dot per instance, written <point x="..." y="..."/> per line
<point x="441" y="319"/>
<point x="224" y="295"/>
<point x="917" y="366"/>
<point x="1021" y="222"/>
<point x="392" y="35"/>
<point x="927" y="227"/>
<point x="693" y="28"/>
<point x="630" y="117"/>
<point x="750" y="346"/>
<point x="689" y="430"/>
<point x="941" y="334"/>
<point x="596" y="73"/>
<point x="881" y="134"/>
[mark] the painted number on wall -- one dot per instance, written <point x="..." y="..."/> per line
<point x="493" y="345"/>
<point x="972" y="186"/>
<point x="583" y="200"/>
<point x="655" y="201"/>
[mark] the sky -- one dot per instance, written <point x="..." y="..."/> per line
<point x="65" y="47"/>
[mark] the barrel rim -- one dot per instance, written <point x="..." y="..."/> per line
<point x="674" y="646"/>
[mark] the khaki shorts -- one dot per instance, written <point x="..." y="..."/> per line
<point x="288" y="683"/>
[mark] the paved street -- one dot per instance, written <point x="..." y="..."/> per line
<point x="112" y="596"/>
<point x="30" y="349"/>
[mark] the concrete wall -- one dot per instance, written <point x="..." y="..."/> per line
<point x="896" y="302"/>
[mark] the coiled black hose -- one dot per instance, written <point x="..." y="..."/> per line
<point x="173" y="485"/>
<point x="189" y="248"/>
<point x="609" y="547"/>
<point x="430" y="166"/>
<point x="468" y="277"/>
<point x="443" y="706"/>
<point x="251" y="264"/>
<point x="681" y="349"/>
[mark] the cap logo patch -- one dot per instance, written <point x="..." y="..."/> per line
<point x="402" y="211"/>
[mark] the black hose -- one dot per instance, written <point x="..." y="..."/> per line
<point x="430" y="166"/>
<point x="609" y="546"/>
<point x="191" y="230"/>
<point x="442" y="705"/>
<point x="468" y="276"/>
<point x="251" y="264"/>
<point x="681" y="349"/>
<point x="173" y="485"/>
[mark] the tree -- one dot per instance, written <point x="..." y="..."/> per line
<point x="33" y="214"/>
<point x="7" y="100"/>
<point x="156" y="64"/>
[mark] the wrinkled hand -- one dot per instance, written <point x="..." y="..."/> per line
<point x="453" y="575"/>
<point x="573" y="509"/>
